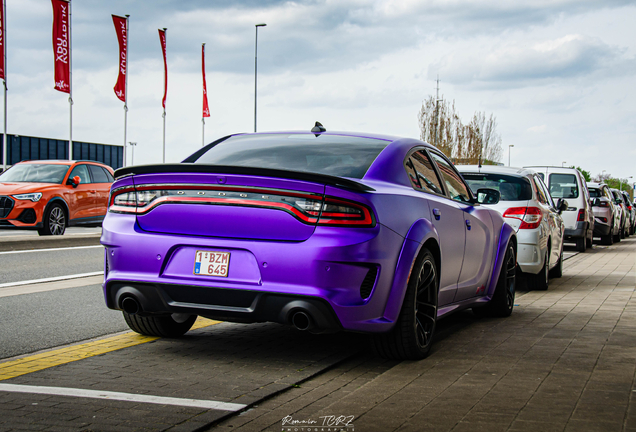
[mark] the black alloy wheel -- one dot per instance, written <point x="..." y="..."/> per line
<point x="54" y="221"/>
<point x="412" y="336"/>
<point x="503" y="300"/>
<point x="557" y="271"/>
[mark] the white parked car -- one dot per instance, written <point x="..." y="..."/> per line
<point x="569" y="184"/>
<point x="527" y="206"/>
<point x="607" y="214"/>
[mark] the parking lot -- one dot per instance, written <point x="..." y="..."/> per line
<point x="564" y="360"/>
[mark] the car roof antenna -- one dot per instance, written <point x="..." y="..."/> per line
<point x="318" y="128"/>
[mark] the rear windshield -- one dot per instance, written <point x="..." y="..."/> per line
<point x="35" y="173"/>
<point x="341" y="156"/>
<point x="511" y="188"/>
<point x="595" y="193"/>
<point x="563" y="186"/>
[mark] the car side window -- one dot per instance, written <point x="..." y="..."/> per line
<point x="82" y="172"/>
<point x="422" y="174"/>
<point x="540" y="193"/>
<point x="109" y="176"/>
<point x="546" y="192"/>
<point x="454" y="182"/>
<point x="98" y="174"/>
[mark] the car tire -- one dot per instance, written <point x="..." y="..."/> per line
<point x="169" y="326"/>
<point x="580" y="244"/>
<point x="608" y="239"/>
<point x="557" y="271"/>
<point x="412" y="336"/>
<point x="617" y="237"/>
<point x="539" y="281"/>
<point x="54" y="221"/>
<point x="503" y="300"/>
<point x="623" y="233"/>
<point x="588" y="242"/>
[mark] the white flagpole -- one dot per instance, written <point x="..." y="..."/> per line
<point x="70" y="72"/>
<point x="165" y="35"/>
<point x="126" y="90"/>
<point x="4" y="46"/>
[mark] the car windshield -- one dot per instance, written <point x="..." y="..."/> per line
<point x="563" y="186"/>
<point x="35" y="173"/>
<point x="511" y="188"/>
<point x="595" y="193"/>
<point x="341" y="156"/>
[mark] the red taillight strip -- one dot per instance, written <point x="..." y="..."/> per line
<point x="221" y="188"/>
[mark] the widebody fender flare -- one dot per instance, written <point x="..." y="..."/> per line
<point x="420" y="233"/>
<point x="506" y="235"/>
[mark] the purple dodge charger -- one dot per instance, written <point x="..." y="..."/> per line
<point x="324" y="231"/>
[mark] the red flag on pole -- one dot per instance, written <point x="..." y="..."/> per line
<point x="1" y="39"/>
<point x="61" y="39"/>
<point x="162" y="38"/>
<point x="121" y="27"/>
<point x="206" y="108"/>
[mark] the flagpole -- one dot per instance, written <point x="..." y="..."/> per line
<point x="202" y="118"/>
<point x="4" y="53"/>
<point x="70" y="74"/>
<point x="126" y="90"/>
<point x="165" y="35"/>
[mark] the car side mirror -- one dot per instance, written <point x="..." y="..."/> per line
<point x="488" y="196"/>
<point x="75" y="181"/>
<point x="596" y="202"/>
<point x="562" y="205"/>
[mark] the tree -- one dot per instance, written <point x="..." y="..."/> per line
<point x="441" y="126"/>
<point x="586" y="174"/>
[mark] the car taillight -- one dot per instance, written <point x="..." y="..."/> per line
<point x="602" y="219"/>
<point x="629" y="208"/>
<point x="530" y="217"/>
<point x="306" y="207"/>
<point x="338" y="212"/>
<point x="582" y="215"/>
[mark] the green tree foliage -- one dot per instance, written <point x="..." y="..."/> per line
<point x="586" y="174"/>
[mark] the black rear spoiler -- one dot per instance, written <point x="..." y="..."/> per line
<point x="260" y="172"/>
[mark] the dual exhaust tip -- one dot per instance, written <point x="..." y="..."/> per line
<point x="130" y="305"/>
<point x="299" y="319"/>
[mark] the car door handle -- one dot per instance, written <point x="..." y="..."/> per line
<point x="437" y="213"/>
<point x="468" y="225"/>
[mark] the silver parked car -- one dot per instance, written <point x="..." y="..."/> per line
<point x="607" y="214"/>
<point x="625" y="216"/>
<point x="632" y="213"/>
<point x="527" y="206"/>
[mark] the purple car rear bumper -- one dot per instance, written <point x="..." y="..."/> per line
<point x="341" y="277"/>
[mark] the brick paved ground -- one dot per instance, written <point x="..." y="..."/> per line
<point x="564" y="361"/>
<point x="225" y="362"/>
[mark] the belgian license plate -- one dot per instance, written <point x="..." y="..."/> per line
<point x="211" y="263"/>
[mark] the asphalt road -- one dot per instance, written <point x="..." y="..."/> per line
<point x="5" y="233"/>
<point x="31" y="265"/>
<point x="32" y="322"/>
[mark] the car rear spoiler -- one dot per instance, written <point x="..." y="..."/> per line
<point x="260" y="172"/>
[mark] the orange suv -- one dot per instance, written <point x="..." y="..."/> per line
<point x="49" y="195"/>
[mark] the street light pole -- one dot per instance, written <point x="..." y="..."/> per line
<point x="563" y="163"/>
<point x="132" y="145"/>
<point x="509" y="147"/>
<point x="256" y="69"/>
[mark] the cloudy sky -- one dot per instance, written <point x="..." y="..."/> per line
<point x="559" y="75"/>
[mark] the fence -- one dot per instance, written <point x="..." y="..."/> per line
<point x="21" y="148"/>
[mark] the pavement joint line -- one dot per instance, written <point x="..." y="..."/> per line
<point x="48" y="359"/>
<point x="49" y="249"/>
<point x="51" y="279"/>
<point x="119" y="396"/>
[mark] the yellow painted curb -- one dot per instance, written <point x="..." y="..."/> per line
<point x="45" y="360"/>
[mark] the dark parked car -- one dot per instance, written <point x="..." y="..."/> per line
<point x="324" y="231"/>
